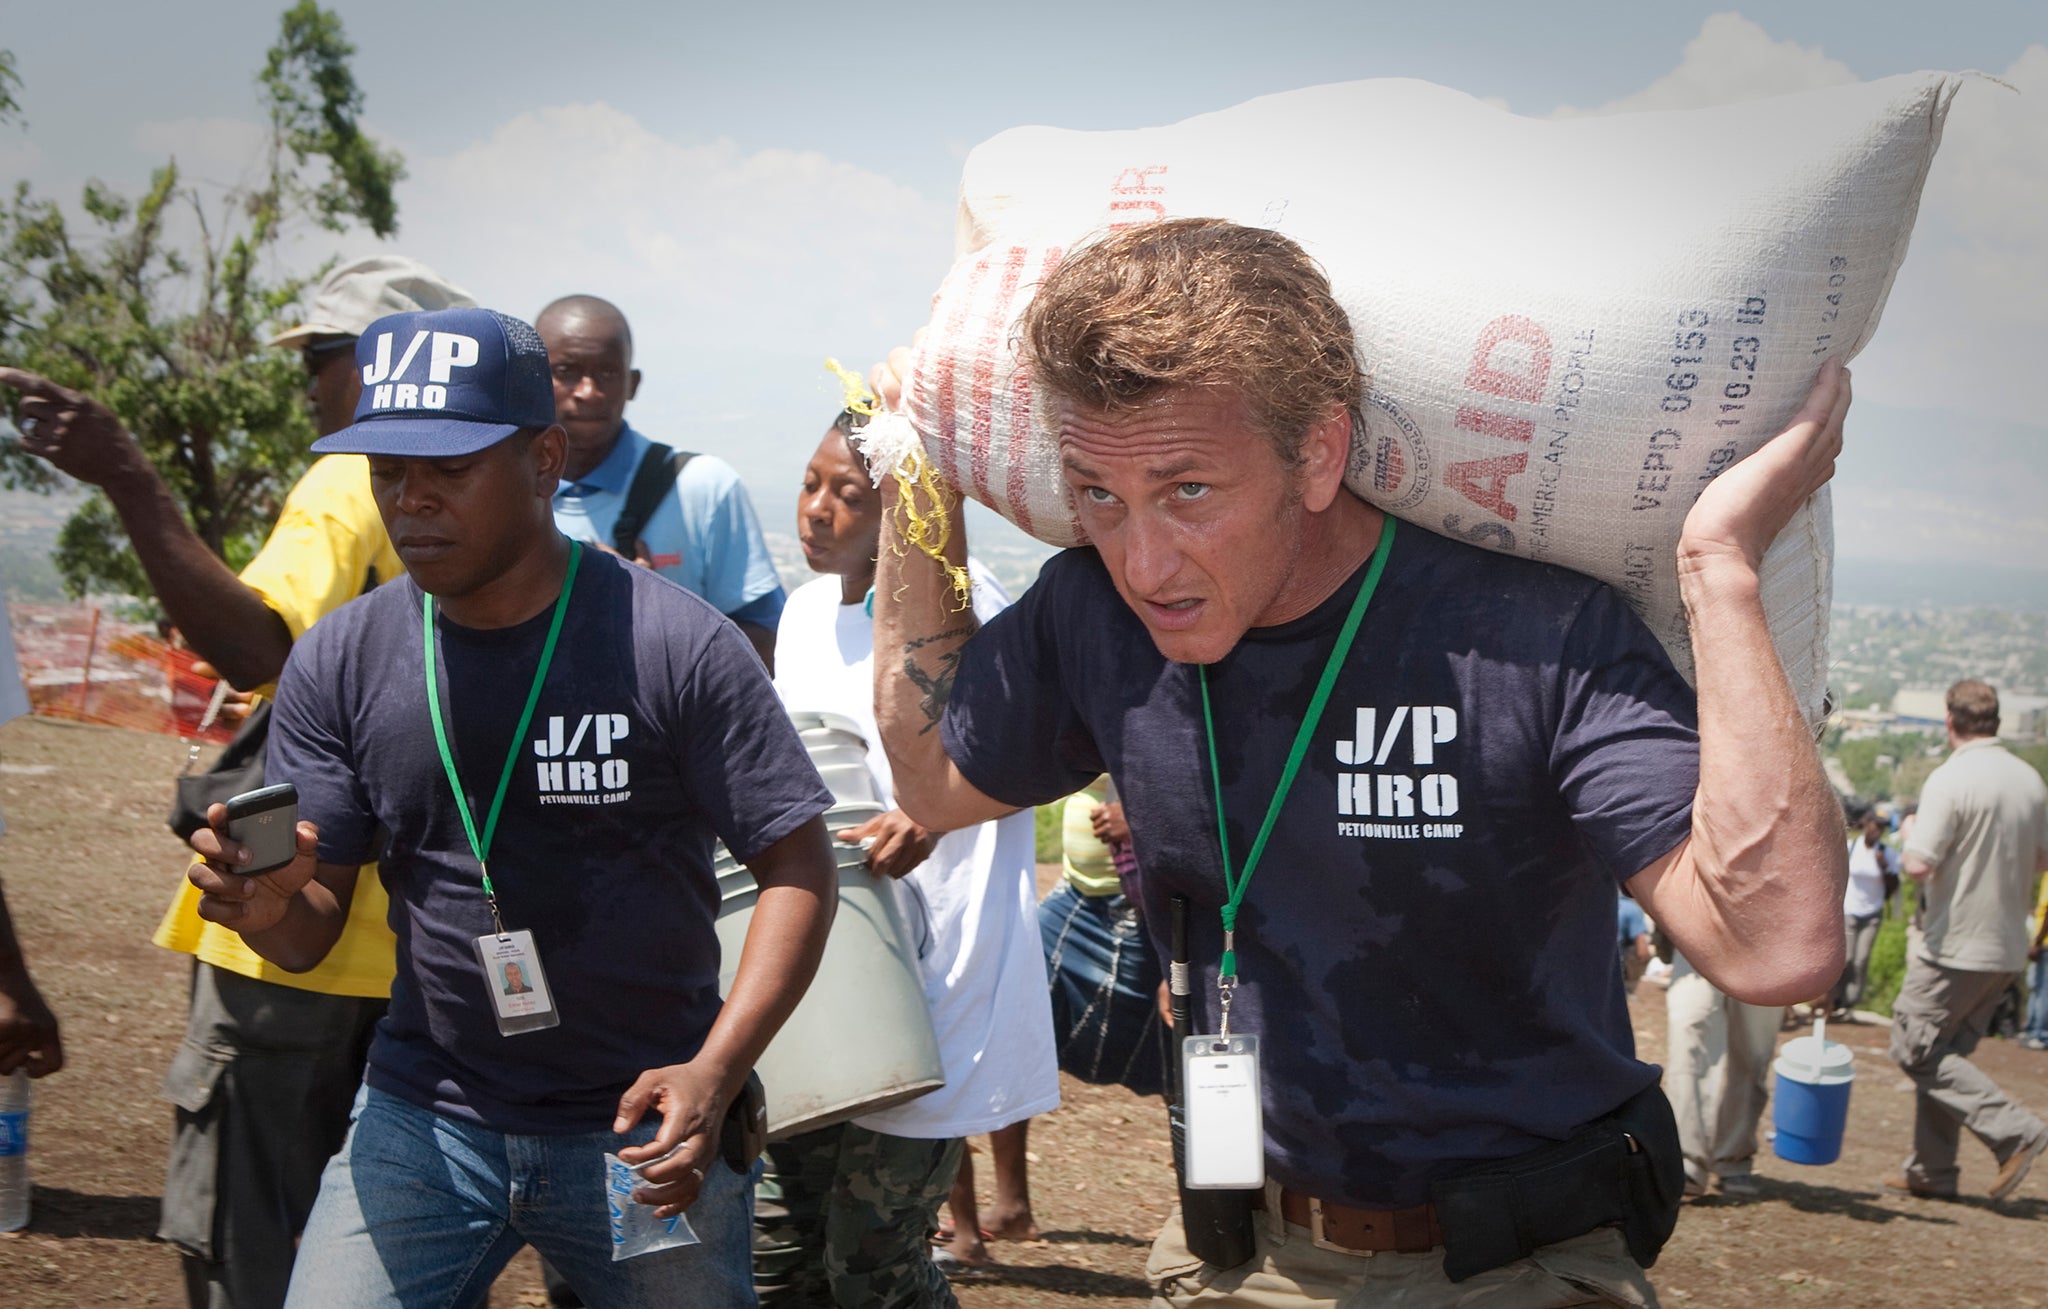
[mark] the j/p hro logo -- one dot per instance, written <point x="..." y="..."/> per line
<point x="577" y="765"/>
<point x="1402" y="777"/>
<point x="389" y="389"/>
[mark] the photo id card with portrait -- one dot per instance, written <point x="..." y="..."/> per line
<point x="517" y="985"/>
<point x="1226" y="1130"/>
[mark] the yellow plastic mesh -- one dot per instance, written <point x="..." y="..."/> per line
<point x="927" y="526"/>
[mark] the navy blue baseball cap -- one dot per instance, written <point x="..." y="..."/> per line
<point x="445" y="382"/>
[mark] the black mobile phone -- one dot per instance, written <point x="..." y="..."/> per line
<point x="267" y="822"/>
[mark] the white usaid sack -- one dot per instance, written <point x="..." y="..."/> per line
<point x="1571" y="325"/>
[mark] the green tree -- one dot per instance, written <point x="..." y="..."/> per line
<point x="10" y="82"/>
<point x="167" y="330"/>
<point x="1901" y="778"/>
<point x="1888" y="953"/>
<point x="2037" y="755"/>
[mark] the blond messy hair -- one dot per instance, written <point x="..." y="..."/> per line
<point x="1197" y="302"/>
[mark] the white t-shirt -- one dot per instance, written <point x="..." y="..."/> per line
<point x="1866" y="878"/>
<point x="982" y="959"/>
<point x="13" y="696"/>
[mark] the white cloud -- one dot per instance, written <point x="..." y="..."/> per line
<point x="1965" y="326"/>
<point x="704" y="244"/>
<point x="739" y="270"/>
<point x="1731" y="60"/>
<point x="1929" y="527"/>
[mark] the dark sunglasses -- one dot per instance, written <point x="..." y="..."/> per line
<point x="315" y="354"/>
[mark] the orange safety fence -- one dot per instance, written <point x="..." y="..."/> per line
<point x="84" y="663"/>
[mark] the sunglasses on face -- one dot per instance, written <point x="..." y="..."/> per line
<point x="315" y="354"/>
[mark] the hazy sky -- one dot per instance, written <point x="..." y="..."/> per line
<point x="762" y="185"/>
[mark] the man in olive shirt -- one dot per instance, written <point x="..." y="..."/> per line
<point x="1981" y="836"/>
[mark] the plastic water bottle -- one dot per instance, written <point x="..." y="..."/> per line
<point x="14" y="1151"/>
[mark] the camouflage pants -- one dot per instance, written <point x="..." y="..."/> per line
<point x="845" y="1215"/>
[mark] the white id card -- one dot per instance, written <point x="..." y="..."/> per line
<point x="516" y="983"/>
<point x="1226" y="1133"/>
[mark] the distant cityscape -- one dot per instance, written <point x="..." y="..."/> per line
<point x="1890" y="666"/>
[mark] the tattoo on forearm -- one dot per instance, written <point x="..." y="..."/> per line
<point x="937" y="687"/>
<point x="959" y="633"/>
<point x="938" y="684"/>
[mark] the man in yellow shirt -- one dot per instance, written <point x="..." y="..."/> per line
<point x="2034" y="1035"/>
<point x="271" y="1060"/>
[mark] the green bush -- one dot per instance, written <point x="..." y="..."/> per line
<point x="1888" y="956"/>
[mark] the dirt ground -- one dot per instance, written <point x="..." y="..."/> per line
<point x="89" y="866"/>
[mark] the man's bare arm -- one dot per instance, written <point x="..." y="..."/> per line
<point x="29" y="1033"/>
<point x="293" y="916"/>
<point x="785" y="940"/>
<point x="920" y="631"/>
<point x="799" y="893"/>
<point x="222" y="619"/>
<point x="1753" y="896"/>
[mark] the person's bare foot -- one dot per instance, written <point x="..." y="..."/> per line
<point x="968" y="1249"/>
<point x="1000" y="1224"/>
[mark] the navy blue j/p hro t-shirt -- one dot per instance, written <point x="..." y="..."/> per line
<point x="657" y="729"/>
<point x="1426" y="951"/>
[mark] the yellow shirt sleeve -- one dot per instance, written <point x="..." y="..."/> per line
<point x="327" y="548"/>
<point x="362" y="962"/>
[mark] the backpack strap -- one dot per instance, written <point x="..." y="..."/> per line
<point x="652" y="480"/>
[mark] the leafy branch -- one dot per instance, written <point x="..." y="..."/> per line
<point x="160" y="305"/>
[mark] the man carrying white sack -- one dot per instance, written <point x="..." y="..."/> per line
<point x="1397" y="777"/>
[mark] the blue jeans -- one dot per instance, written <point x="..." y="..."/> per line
<point x="1105" y="985"/>
<point x="2036" y="1025"/>
<point x="422" y="1211"/>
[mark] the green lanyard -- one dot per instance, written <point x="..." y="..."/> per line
<point x="481" y="845"/>
<point x="1236" y="885"/>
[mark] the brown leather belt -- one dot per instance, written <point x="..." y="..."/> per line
<point x="1362" y="1231"/>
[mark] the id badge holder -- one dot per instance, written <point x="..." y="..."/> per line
<point x="516" y="983"/>
<point x="1226" y="1135"/>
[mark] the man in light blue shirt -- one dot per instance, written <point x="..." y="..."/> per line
<point x="703" y="535"/>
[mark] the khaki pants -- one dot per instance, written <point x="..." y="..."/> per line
<point x="1939" y="1017"/>
<point x="1717" y="1071"/>
<point x="1859" y="938"/>
<point x="1290" y="1270"/>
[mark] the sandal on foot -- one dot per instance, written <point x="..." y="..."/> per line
<point x="957" y="1269"/>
